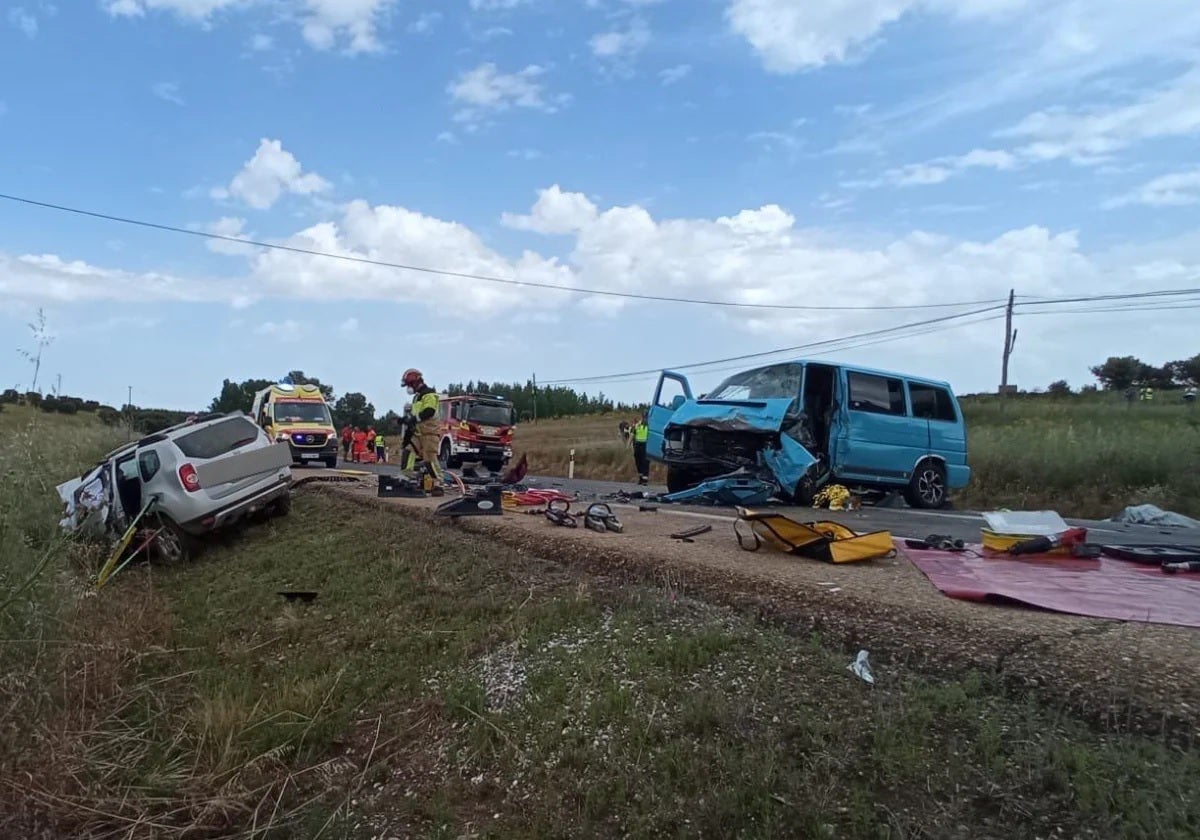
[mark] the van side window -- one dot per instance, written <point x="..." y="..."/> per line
<point x="148" y="464"/>
<point x="931" y="402"/>
<point x="876" y="394"/>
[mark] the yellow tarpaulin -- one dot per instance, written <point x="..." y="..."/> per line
<point x="828" y="541"/>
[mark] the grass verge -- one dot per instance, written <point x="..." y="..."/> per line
<point x="443" y="686"/>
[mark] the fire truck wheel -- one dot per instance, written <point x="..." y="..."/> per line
<point x="447" y="460"/>
<point x="493" y="466"/>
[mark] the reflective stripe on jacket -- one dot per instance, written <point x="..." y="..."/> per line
<point x="641" y="433"/>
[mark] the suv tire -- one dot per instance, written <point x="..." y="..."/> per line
<point x="176" y="544"/>
<point x="281" y="507"/>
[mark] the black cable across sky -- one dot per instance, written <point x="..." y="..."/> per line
<point x="462" y="275"/>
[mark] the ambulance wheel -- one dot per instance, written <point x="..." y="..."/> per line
<point x="331" y="462"/>
<point x="927" y="488"/>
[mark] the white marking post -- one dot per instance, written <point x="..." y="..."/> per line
<point x="571" y="465"/>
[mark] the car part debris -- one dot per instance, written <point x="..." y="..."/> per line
<point x="304" y="596"/>
<point x="647" y="508"/>
<point x="687" y="536"/>
<point x="937" y="542"/>
<point x="734" y="489"/>
<point x="1153" y="515"/>
<point x="399" y="487"/>
<point x="861" y="668"/>
<point x="487" y="501"/>
<point x="1153" y="555"/>
<point x="558" y="512"/>
<point x="1181" y="566"/>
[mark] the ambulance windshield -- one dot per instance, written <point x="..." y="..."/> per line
<point x="302" y="412"/>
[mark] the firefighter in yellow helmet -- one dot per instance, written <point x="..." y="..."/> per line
<point x="427" y="435"/>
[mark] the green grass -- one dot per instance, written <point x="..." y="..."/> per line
<point x="1081" y="456"/>
<point x="444" y="686"/>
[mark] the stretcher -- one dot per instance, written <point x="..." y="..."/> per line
<point x="830" y="542"/>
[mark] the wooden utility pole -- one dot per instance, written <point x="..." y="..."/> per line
<point x="1010" y="340"/>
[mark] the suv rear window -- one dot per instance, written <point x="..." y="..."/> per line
<point x="219" y="438"/>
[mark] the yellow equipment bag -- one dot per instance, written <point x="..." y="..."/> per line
<point x="828" y="541"/>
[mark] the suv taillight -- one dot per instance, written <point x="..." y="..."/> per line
<point x="187" y="475"/>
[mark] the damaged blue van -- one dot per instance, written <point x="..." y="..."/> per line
<point x="802" y="425"/>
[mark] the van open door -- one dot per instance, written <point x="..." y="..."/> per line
<point x="673" y="391"/>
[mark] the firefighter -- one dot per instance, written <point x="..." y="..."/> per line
<point x="641" y="434"/>
<point x="427" y="436"/>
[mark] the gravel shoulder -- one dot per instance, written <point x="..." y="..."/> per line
<point x="1145" y="677"/>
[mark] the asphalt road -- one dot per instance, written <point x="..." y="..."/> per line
<point x="902" y="522"/>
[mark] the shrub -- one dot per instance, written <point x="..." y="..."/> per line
<point x="47" y="404"/>
<point x="108" y="415"/>
<point x="33" y="398"/>
<point x="10" y="396"/>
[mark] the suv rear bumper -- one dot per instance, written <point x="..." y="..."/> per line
<point x="226" y="516"/>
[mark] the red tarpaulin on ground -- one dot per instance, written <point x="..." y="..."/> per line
<point x="1104" y="588"/>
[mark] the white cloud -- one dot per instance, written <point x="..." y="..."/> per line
<point x="425" y="23"/>
<point x="486" y="90"/>
<point x="1176" y="189"/>
<point x="349" y="326"/>
<point x="792" y="36"/>
<point x="23" y="20"/>
<point x="354" y="21"/>
<point x="325" y="24"/>
<point x="232" y="227"/>
<point x="496" y="5"/>
<point x="168" y="92"/>
<point x="525" y="154"/>
<point x="447" y="137"/>
<point x="943" y="169"/>
<point x="1089" y="136"/>
<point x="198" y="10"/>
<point x="555" y="212"/>
<point x="261" y="42"/>
<point x="288" y="330"/>
<point x="270" y="173"/>
<point x="47" y="278"/>
<point x="678" y="73"/>
<point x="623" y="44"/>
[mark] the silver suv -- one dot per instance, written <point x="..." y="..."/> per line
<point x="202" y="475"/>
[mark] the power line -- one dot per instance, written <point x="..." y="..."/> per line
<point x="747" y="356"/>
<point x="904" y="331"/>
<point x="462" y="275"/>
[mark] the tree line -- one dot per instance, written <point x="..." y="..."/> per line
<point x="1120" y="372"/>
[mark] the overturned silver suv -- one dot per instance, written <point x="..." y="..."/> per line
<point x="188" y="481"/>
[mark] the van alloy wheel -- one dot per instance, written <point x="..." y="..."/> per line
<point x="928" y="486"/>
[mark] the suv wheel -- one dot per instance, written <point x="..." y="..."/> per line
<point x="927" y="488"/>
<point x="282" y="507"/>
<point x="174" y="543"/>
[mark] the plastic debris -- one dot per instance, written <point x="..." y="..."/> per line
<point x="1154" y="515"/>
<point x="861" y="668"/>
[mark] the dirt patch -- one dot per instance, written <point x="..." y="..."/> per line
<point x="1141" y="676"/>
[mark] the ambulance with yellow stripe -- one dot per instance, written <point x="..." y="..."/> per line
<point x="298" y="416"/>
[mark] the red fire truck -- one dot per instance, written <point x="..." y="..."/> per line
<point x="476" y="428"/>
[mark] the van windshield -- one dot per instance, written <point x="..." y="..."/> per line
<point x="490" y="414"/>
<point x="302" y="412"/>
<point x="774" y="382"/>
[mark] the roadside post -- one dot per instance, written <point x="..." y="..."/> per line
<point x="571" y="465"/>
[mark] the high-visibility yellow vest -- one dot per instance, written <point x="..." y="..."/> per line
<point x="641" y="433"/>
<point x="378" y="440"/>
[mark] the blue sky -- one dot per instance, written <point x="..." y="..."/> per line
<point x="828" y="152"/>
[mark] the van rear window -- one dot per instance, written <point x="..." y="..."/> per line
<point x="219" y="438"/>
<point x="931" y="402"/>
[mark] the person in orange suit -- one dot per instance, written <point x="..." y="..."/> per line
<point x="360" y="446"/>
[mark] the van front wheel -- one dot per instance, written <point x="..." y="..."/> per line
<point x="927" y="487"/>
<point x="679" y="479"/>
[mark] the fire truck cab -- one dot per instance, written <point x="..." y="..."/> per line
<point x="476" y="428"/>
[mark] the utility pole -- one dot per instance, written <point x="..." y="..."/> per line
<point x="1010" y="340"/>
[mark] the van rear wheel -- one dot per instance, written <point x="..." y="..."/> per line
<point x="927" y="487"/>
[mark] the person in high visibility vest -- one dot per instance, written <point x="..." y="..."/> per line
<point x="380" y="449"/>
<point x="641" y="434"/>
<point x="427" y="435"/>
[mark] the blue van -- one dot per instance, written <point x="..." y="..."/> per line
<point x="803" y="424"/>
